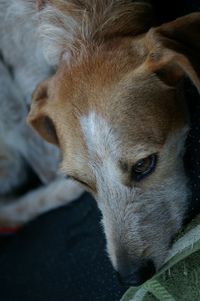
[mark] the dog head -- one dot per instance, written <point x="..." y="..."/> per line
<point x="118" y="116"/>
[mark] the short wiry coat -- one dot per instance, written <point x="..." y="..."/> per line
<point x="22" y="67"/>
<point x="113" y="100"/>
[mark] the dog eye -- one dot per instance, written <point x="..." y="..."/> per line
<point x="77" y="180"/>
<point x="144" y="167"/>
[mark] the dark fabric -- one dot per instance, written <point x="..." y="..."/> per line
<point x="168" y="10"/>
<point x="192" y="155"/>
<point x="59" y="256"/>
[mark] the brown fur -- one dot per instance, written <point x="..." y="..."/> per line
<point x="115" y="75"/>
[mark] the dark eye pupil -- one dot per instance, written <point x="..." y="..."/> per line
<point x="144" y="167"/>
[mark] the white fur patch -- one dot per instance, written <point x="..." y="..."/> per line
<point x="99" y="135"/>
<point x="57" y="31"/>
<point x="103" y="146"/>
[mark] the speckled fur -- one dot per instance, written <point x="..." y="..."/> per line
<point x="22" y="67"/>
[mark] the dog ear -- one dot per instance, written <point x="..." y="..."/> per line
<point x="174" y="50"/>
<point x="38" y="116"/>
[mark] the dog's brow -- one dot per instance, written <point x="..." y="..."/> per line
<point x="123" y="165"/>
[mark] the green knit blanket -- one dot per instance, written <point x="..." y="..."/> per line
<point x="179" y="278"/>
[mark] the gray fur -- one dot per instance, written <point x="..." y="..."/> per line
<point x="22" y="67"/>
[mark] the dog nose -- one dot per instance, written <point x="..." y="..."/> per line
<point x="137" y="272"/>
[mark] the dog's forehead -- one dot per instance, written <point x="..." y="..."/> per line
<point x="104" y="140"/>
<point x="106" y="105"/>
<point x="118" y="85"/>
<point x="97" y="69"/>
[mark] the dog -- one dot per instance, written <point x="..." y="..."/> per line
<point x="22" y="67"/>
<point x="109" y="96"/>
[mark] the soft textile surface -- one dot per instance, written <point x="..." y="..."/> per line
<point x="179" y="278"/>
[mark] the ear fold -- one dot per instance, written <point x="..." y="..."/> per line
<point x="38" y="116"/>
<point x="174" y="50"/>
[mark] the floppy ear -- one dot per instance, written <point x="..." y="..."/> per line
<point x="174" y="50"/>
<point x="38" y="116"/>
